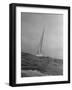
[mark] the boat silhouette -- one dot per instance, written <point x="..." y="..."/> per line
<point x="39" y="50"/>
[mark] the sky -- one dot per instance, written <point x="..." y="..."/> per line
<point x="32" y="25"/>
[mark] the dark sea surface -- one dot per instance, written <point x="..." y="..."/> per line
<point x="32" y="65"/>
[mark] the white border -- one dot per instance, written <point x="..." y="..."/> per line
<point x="20" y="80"/>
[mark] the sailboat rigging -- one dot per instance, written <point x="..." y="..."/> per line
<point x="39" y="51"/>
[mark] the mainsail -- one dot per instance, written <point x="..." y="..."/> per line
<point x="39" y="51"/>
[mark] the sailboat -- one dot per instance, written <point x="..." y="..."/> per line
<point x="39" y="51"/>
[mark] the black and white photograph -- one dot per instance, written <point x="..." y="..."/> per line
<point x="39" y="44"/>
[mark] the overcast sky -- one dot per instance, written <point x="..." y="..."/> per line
<point x="32" y="25"/>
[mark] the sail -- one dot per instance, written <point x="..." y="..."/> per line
<point x="39" y="51"/>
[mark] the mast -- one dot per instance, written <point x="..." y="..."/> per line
<point x="39" y="51"/>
